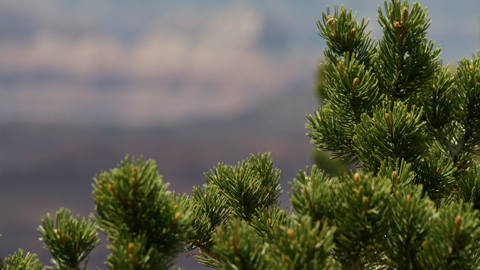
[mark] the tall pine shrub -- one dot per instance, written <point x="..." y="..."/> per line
<point x="410" y="126"/>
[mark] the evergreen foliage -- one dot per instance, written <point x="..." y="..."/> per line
<point x="69" y="240"/>
<point x="411" y="128"/>
<point x="146" y="224"/>
<point x="19" y="261"/>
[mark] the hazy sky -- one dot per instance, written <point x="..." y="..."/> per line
<point x="169" y="62"/>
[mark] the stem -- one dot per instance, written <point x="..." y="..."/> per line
<point x="455" y="151"/>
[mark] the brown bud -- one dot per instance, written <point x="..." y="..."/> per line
<point x="404" y="15"/>
<point x="356" y="177"/>
<point x="306" y="190"/>
<point x="397" y="25"/>
<point x="135" y="172"/>
<point x="131" y="249"/>
<point x="458" y="224"/>
<point x="286" y="261"/>
<point x="408" y="118"/>
<point x="352" y="35"/>
<point x="205" y="197"/>
<point x="356" y="81"/>
<point x="331" y="22"/>
<point x="366" y="201"/>
<point x="471" y="68"/>
<point x="409" y="200"/>
<point x="389" y="122"/>
<point x="269" y="222"/>
<point x="177" y="216"/>
<point x="175" y="207"/>
<point x="353" y="31"/>
<point x="291" y="234"/>
<point x="329" y="19"/>
<point x="394" y="176"/>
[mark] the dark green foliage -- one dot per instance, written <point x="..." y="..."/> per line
<point x="387" y="135"/>
<point x="268" y="219"/>
<point x="247" y="192"/>
<point x="453" y="240"/>
<point x="314" y="194"/>
<point x="331" y="166"/>
<point x="248" y="186"/>
<point x="410" y="127"/>
<point x="18" y="261"/>
<point x="132" y="203"/>
<point x="239" y="247"/>
<point x="344" y="34"/>
<point x="406" y="61"/>
<point x="410" y="218"/>
<point x="470" y="186"/>
<point x="210" y="211"/>
<point x="135" y="252"/>
<point x="322" y="158"/>
<point x="70" y="241"/>
<point x="305" y="245"/>
<point x="362" y="202"/>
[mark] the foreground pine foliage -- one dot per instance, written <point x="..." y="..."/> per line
<point x="410" y="126"/>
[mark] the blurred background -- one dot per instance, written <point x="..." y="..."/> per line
<point x="188" y="83"/>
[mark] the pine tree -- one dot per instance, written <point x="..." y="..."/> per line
<point x="411" y="128"/>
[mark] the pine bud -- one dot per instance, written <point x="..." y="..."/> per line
<point x="356" y="81"/>
<point x="394" y="176"/>
<point x="356" y="177"/>
<point x="404" y="15"/>
<point x="396" y="25"/>
<point x="269" y="222"/>
<point x="57" y="233"/>
<point x="389" y="122"/>
<point x="366" y="201"/>
<point x="131" y="249"/>
<point x="291" y="234"/>
<point x="471" y="68"/>
<point x="408" y="118"/>
<point x="458" y="224"/>
<point x="331" y="22"/>
<point x="286" y="261"/>
<point x="352" y="35"/>
<point x="409" y="200"/>
<point x="329" y="19"/>
<point x="135" y="172"/>
<point x="175" y="207"/>
<point x="319" y="119"/>
<point x="177" y="216"/>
